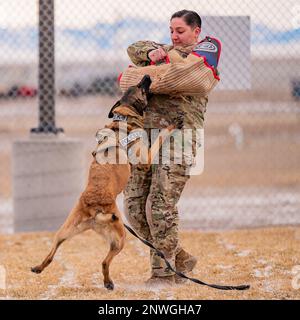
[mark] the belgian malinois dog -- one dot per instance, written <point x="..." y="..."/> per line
<point x="97" y="208"/>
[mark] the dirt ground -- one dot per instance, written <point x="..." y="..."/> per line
<point x="264" y="258"/>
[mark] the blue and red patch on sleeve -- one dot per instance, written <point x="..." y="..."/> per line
<point x="210" y="49"/>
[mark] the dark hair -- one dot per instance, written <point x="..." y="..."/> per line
<point x="191" y="18"/>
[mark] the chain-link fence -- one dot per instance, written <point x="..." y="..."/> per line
<point x="252" y="125"/>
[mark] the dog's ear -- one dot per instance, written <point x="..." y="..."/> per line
<point x="117" y="104"/>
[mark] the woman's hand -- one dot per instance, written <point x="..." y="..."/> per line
<point x="157" y="54"/>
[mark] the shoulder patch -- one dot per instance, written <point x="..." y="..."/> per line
<point x="210" y="48"/>
<point x="206" y="46"/>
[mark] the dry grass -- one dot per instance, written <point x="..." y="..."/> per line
<point x="263" y="258"/>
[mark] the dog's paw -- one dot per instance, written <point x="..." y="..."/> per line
<point x="36" y="270"/>
<point x="109" y="285"/>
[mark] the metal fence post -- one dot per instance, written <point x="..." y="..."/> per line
<point x="46" y="73"/>
<point x="48" y="168"/>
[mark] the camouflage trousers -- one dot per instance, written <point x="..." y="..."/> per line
<point x="150" y="201"/>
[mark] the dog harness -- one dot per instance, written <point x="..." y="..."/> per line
<point x="107" y="138"/>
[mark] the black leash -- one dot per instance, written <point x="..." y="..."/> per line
<point x="180" y="274"/>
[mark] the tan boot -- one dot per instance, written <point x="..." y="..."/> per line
<point x="160" y="281"/>
<point x="184" y="263"/>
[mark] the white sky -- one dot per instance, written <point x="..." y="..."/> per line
<point x="278" y="14"/>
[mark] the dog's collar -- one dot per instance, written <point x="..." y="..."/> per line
<point x="119" y="117"/>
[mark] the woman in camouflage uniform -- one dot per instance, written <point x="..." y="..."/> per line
<point x="151" y="197"/>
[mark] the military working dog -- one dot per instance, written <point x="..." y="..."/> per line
<point x="96" y="208"/>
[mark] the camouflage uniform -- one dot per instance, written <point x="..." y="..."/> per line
<point x="151" y="197"/>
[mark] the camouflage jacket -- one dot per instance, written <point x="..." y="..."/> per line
<point x="163" y="109"/>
